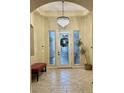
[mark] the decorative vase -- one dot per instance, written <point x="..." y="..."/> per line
<point x="88" y="66"/>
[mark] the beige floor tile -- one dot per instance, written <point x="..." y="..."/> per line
<point x="59" y="91"/>
<point x="63" y="81"/>
<point x="74" y="91"/>
<point x="41" y="90"/>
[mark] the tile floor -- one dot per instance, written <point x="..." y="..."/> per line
<point x="63" y="81"/>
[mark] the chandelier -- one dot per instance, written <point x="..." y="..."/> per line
<point x="63" y="20"/>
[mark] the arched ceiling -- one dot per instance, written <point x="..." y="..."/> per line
<point x="34" y="4"/>
<point x="56" y="6"/>
<point x="55" y="9"/>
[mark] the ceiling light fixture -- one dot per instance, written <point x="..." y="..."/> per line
<point x="63" y="20"/>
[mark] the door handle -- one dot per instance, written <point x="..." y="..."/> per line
<point x="58" y="53"/>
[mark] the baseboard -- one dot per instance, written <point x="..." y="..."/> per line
<point x="51" y="67"/>
<point x="74" y="67"/>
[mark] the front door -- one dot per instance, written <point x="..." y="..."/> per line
<point x="63" y="49"/>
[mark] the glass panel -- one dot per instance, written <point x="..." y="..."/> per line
<point x="76" y="48"/>
<point x="52" y="47"/>
<point x="64" y="57"/>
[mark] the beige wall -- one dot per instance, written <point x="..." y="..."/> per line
<point x="73" y="25"/>
<point x="38" y="23"/>
<point x="41" y="26"/>
<point x="31" y="41"/>
<point x="87" y="36"/>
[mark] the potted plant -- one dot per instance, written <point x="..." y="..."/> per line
<point x="87" y="65"/>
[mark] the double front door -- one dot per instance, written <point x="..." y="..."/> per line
<point x="63" y="48"/>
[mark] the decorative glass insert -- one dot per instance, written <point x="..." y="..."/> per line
<point x="52" y="51"/>
<point x="64" y="48"/>
<point x="76" y="48"/>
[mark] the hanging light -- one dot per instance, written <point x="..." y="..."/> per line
<point x="63" y="20"/>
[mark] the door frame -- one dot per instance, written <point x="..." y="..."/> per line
<point x="71" y="49"/>
<point x="58" y="48"/>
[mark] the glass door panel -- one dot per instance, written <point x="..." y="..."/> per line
<point x="64" y="48"/>
<point x="76" y="48"/>
<point x="52" y="51"/>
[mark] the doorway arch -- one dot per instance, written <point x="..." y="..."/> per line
<point x="37" y="3"/>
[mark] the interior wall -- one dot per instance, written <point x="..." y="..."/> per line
<point x="75" y="24"/>
<point x="31" y="41"/>
<point x="41" y="26"/>
<point x="38" y="23"/>
<point x="87" y="36"/>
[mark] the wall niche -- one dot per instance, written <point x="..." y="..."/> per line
<point x="31" y="40"/>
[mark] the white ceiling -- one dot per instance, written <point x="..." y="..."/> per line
<point x="57" y="6"/>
